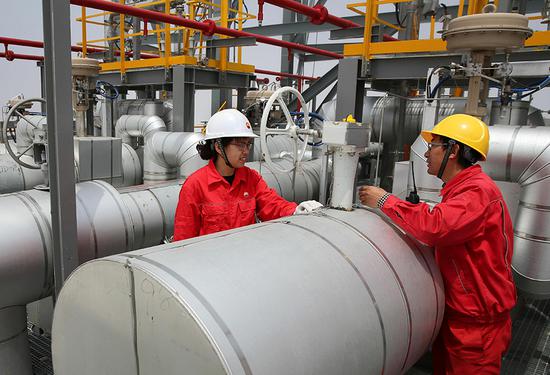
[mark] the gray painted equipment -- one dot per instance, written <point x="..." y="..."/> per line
<point x="109" y="222"/>
<point x="331" y="293"/>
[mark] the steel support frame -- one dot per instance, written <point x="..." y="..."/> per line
<point x="183" y="96"/>
<point x="350" y="89"/>
<point x="57" y="38"/>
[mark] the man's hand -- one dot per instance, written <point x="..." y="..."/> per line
<point x="369" y="195"/>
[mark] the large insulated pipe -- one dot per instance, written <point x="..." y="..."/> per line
<point x="147" y="107"/>
<point x="132" y="126"/>
<point x="332" y="293"/>
<point x="171" y="155"/>
<point x="522" y="155"/>
<point x="13" y="176"/>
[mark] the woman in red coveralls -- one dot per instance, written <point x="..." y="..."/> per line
<point x="473" y="237"/>
<point x="225" y="194"/>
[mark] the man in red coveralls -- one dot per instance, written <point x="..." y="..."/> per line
<point x="472" y="234"/>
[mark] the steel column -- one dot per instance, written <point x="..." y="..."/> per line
<point x="184" y="95"/>
<point x="57" y="38"/>
<point x="351" y="90"/>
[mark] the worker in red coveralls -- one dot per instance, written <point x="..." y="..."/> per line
<point x="472" y="234"/>
<point x="225" y="194"/>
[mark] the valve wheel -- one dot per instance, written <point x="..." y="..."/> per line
<point x="291" y="129"/>
<point x="16" y="112"/>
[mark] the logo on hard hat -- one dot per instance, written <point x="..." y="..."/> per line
<point x="248" y="125"/>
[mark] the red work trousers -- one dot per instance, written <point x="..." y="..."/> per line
<point x="470" y="347"/>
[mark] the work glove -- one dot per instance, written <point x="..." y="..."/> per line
<point x="307" y="207"/>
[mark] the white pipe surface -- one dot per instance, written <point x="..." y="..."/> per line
<point x="332" y="293"/>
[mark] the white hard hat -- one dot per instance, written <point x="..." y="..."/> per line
<point x="228" y="123"/>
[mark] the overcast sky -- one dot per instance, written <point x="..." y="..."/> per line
<point x="23" y="19"/>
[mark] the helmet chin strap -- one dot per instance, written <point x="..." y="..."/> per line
<point x="450" y="145"/>
<point x="219" y="142"/>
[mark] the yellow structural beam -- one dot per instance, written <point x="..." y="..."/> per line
<point x="174" y="60"/>
<point x="539" y="39"/>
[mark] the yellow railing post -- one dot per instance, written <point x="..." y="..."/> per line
<point x="240" y="16"/>
<point x="83" y="31"/>
<point x="460" y="8"/>
<point x="223" y="51"/>
<point x="167" y="37"/>
<point x="432" y="27"/>
<point x="371" y="13"/>
<point x="122" y="46"/>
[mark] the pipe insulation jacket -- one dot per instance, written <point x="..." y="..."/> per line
<point x="522" y="154"/>
<point x="109" y="222"/>
<point x="128" y="126"/>
<point x="330" y="293"/>
<point x="14" y="177"/>
<point x="14" y="346"/>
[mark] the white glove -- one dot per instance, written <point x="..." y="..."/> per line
<point x="307" y="207"/>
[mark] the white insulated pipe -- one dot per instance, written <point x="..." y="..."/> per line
<point x="332" y="293"/>
<point x="522" y="154"/>
<point x="343" y="177"/>
<point x="168" y="156"/>
<point x="128" y="126"/>
<point x="14" y="347"/>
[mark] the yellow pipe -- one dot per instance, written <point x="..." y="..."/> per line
<point x="83" y="31"/>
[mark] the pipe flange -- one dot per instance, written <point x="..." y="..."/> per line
<point x="322" y="15"/>
<point x="211" y="27"/>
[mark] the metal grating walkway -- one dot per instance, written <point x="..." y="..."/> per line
<point x="529" y="352"/>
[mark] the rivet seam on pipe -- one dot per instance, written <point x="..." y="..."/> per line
<point x="413" y="244"/>
<point x="46" y="285"/>
<point x="136" y="204"/>
<point x="509" y="154"/>
<point x="363" y="281"/>
<point x="221" y="323"/>
<point x="121" y="211"/>
<point x="528" y="277"/>
<point x="531" y="237"/>
<point x="537" y="207"/>
<point x="23" y="331"/>
<point x="163" y="213"/>
<point x="128" y="266"/>
<point x="395" y="274"/>
<point x="91" y="220"/>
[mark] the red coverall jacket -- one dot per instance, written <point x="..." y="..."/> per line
<point x="207" y="204"/>
<point x="472" y="233"/>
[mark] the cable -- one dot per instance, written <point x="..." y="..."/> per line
<point x="399" y="22"/>
<point x="101" y="90"/>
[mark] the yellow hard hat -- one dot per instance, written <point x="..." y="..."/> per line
<point x="466" y="129"/>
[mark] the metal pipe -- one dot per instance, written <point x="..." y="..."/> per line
<point x="10" y="56"/>
<point x="332" y="293"/>
<point x="37" y="44"/>
<point x="128" y="126"/>
<point x="208" y="27"/>
<point x="288" y="75"/>
<point x="109" y="222"/>
<point x="14" y="347"/>
<point x="317" y="14"/>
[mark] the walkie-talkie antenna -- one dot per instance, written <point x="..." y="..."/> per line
<point x="413" y="195"/>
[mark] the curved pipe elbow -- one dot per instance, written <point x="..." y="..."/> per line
<point x="128" y="126"/>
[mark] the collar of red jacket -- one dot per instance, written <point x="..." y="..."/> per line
<point x="460" y="177"/>
<point x="215" y="177"/>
